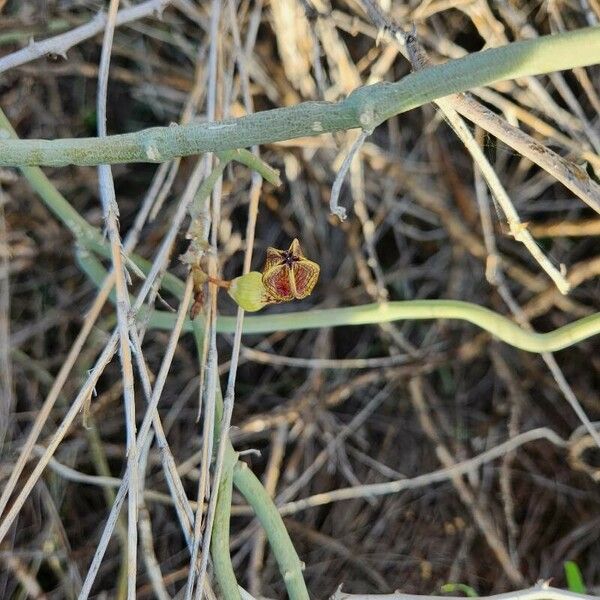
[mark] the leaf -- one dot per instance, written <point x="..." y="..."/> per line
<point x="467" y="590"/>
<point x="574" y="578"/>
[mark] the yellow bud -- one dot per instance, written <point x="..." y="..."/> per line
<point x="249" y="292"/>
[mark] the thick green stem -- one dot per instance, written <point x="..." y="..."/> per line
<point x="263" y="506"/>
<point x="220" y="532"/>
<point x="365" y="108"/>
<point x="496" y="324"/>
<point x="83" y="232"/>
<point x="368" y="314"/>
<point x="257" y="497"/>
<point x="90" y="238"/>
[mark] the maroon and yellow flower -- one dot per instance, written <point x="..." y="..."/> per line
<point x="288" y="274"/>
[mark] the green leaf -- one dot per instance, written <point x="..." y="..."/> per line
<point x="574" y="578"/>
<point x="467" y="590"/>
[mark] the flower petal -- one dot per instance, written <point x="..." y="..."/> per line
<point x="277" y="282"/>
<point x="274" y="257"/>
<point x="305" y="274"/>
<point x="295" y="249"/>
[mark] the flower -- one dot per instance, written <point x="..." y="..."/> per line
<point x="288" y="275"/>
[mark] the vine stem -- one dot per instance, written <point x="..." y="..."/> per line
<point x="267" y="513"/>
<point x="220" y="531"/>
<point x="368" y="314"/>
<point x="246" y="482"/>
<point x="364" y="108"/>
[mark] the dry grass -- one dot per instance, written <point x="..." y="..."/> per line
<point x="322" y="410"/>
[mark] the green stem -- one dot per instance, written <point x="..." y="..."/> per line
<point x="253" y="162"/>
<point x="90" y="238"/>
<point x="242" y="156"/>
<point x="220" y="532"/>
<point x="368" y="314"/>
<point x="257" y="497"/>
<point x="365" y="108"/>
<point x="83" y="232"/>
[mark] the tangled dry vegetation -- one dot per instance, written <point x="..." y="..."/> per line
<point x="319" y="410"/>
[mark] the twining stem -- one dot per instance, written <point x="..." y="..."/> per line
<point x="257" y="497"/>
<point x="220" y="537"/>
<point x="90" y="238"/>
<point x="369" y="314"/>
<point x="364" y="108"/>
<point x="266" y="512"/>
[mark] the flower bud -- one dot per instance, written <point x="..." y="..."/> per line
<point x="249" y="292"/>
